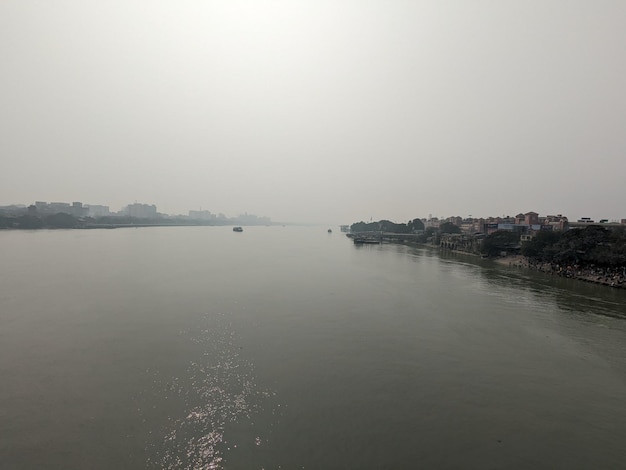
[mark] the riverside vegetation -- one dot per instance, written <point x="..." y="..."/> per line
<point x="593" y="253"/>
<point x="66" y="221"/>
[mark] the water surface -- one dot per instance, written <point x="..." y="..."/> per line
<point x="288" y="347"/>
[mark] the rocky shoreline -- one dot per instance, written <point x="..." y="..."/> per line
<point x="611" y="277"/>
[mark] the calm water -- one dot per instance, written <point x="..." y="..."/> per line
<point x="290" y="348"/>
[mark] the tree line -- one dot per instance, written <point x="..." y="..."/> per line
<point x="594" y="244"/>
<point x="31" y="222"/>
<point x="63" y="220"/>
<point x="411" y="226"/>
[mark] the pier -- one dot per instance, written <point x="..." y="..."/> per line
<point x="385" y="236"/>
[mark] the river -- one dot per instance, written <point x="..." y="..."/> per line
<point x="292" y="348"/>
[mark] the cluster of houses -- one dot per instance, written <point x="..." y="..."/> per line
<point x="78" y="209"/>
<point x="473" y="231"/>
<point x="521" y="223"/>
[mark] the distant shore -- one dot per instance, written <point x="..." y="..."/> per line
<point x="92" y="226"/>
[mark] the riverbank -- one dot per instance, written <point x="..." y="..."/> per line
<point x="513" y="261"/>
<point x="611" y="277"/>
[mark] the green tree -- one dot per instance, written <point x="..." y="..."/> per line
<point x="381" y="225"/>
<point x="6" y="222"/>
<point x="28" y="222"/>
<point x="61" y="220"/>
<point x="541" y="247"/>
<point x="428" y="233"/>
<point x="583" y="245"/>
<point x="449" y="227"/>
<point x="415" y="225"/>
<point x="499" y="241"/>
<point x="359" y="227"/>
<point x="392" y="227"/>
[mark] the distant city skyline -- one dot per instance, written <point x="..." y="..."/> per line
<point x="135" y="210"/>
<point x="139" y="209"/>
<point x="316" y="111"/>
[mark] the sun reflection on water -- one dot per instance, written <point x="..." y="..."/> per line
<point x="215" y="391"/>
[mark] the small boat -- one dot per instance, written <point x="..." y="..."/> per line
<point x="237" y="229"/>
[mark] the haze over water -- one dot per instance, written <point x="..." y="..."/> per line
<point x="316" y="110"/>
<point x="287" y="347"/>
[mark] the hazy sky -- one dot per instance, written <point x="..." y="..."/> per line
<point x="313" y="110"/>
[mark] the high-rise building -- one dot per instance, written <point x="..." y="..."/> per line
<point x="141" y="211"/>
<point x="95" y="210"/>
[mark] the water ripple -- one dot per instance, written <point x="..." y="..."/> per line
<point x="217" y="390"/>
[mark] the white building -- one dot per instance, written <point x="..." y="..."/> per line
<point x="141" y="211"/>
<point x="96" y="210"/>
